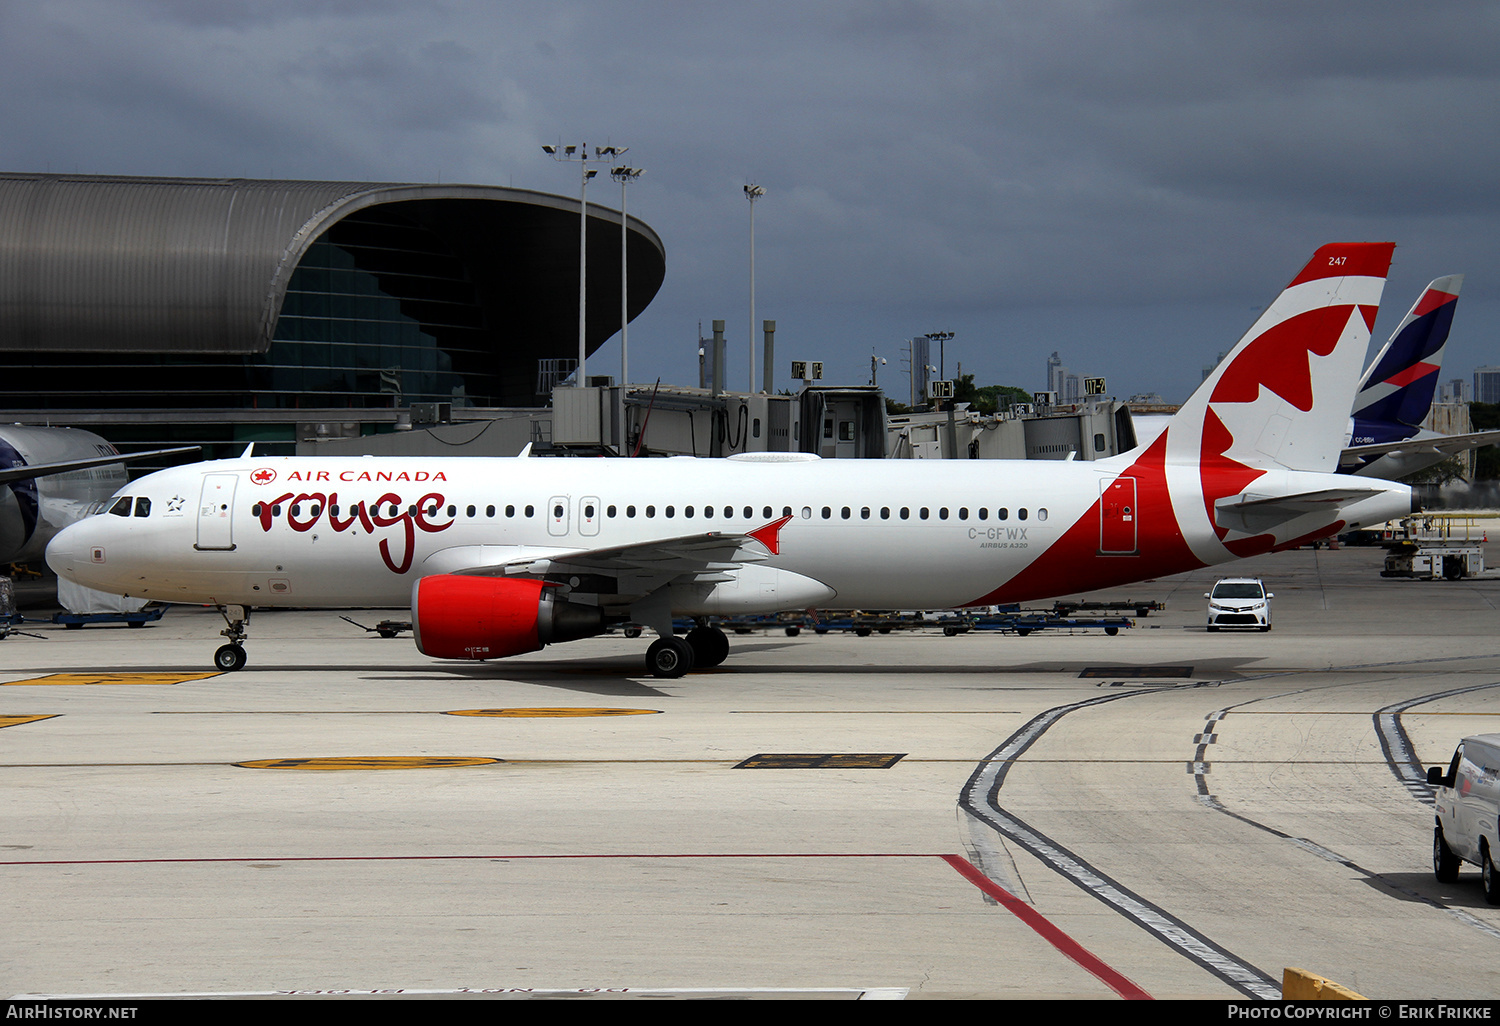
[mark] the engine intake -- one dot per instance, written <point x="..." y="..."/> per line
<point x="455" y="616"/>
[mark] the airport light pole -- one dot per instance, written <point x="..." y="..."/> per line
<point x="940" y="337"/>
<point x="624" y="175"/>
<point x="581" y="155"/>
<point x="753" y="193"/>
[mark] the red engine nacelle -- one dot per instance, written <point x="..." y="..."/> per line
<point x="460" y="617"/>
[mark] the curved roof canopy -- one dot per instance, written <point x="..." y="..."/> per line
<point x="188" y="265"/>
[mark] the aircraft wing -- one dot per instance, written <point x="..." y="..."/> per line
<point x="1257" y="515"/>
<point x="1436" y="445"/>
<point x="627" y="570"/>
<point x="26" y="473"/>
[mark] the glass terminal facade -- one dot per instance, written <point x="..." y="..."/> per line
<point x="379" y="313"/>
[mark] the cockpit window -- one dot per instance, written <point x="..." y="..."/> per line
<point x="142" y="506"/>
<point x="122" y="505"/>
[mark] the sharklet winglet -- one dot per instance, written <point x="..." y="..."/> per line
<point x="770" y="535"/>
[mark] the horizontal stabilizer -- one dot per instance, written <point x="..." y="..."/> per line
<point x="1251" y="515"/>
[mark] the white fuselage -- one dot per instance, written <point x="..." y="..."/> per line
<point x="347" y="532"/>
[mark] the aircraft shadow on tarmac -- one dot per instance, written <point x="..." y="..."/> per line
<point x="591" y="674"/>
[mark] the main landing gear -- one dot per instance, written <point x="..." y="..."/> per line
<point x="231" y="657"/>
<point x="702" y="647"/>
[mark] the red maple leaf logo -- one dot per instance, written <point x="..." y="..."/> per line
<point x="262" y="476"/>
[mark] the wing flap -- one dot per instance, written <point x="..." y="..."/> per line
<point x="637" y="569"/>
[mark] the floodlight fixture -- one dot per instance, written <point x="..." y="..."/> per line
<point x="940" y="337"/>
<point x="580" y="153"/>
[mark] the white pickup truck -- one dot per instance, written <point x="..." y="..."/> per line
<point x="1468" y="812"/>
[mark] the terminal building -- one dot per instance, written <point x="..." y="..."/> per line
<point x="217" y="312"/>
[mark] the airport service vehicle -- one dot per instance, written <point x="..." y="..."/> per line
<point x="1450" y="546"/>
<point x="499" y="557"/>
<point x="1467" y="799"/>
<point x="1239" y="602"/>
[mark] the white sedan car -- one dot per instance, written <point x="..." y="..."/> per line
<point x="1239" y="602"/>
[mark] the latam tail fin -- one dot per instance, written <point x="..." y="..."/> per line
<point x="1282" y="396"/>
<point x="1399" y="386"/>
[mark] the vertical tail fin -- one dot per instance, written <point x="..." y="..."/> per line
<point x="1282" y="396"/>
<point x="1398" y="387"/>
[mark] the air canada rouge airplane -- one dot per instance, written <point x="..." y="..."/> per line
<point x="503" y="556"/>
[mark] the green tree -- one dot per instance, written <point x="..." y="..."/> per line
<point x="988" y="399"/>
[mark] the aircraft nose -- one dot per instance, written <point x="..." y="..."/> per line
<point x="68" y="551"/>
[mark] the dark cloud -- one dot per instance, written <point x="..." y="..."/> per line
<point x="1124" y="182"/>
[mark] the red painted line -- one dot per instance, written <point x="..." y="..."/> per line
<point x="1115" y="981"/>
<point x="1028" y="915"/>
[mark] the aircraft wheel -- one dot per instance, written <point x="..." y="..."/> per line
<point x="710" y="646"/>
<point x="669" y="657"/>
<point x="229" y="658"/>
<point x="1444" y="863"/>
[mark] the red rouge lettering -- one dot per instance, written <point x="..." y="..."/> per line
<point x="409" y="520"/>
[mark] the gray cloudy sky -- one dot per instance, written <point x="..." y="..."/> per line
<point x="1125" y="183"/>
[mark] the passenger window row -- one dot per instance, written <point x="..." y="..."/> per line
<point x="122" y="508"/>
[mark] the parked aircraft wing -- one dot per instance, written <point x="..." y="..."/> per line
<point x="1434" y="444"/>
<point x="26" y="473"/>
<point x="646" y="566"/>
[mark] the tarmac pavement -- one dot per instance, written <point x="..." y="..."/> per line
<point x="1166" y="812"/>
